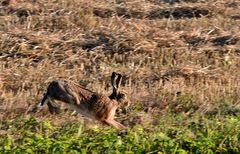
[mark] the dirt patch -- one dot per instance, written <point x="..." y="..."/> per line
<point x="157" y="2"/>
<point x="119" y="11"/>
<point x="178" y="13"/>
<point x="232" y="4"/>
<point x="126" y="13"/>
<point x="193" y="40"/>
<point x="107" y="42"/>
<point x="20" y="10"/>
<point x="99" y="40"/>
<point x="103" y="12"/>
<point x="235" y="17"/>
<point x="225" y="40"/>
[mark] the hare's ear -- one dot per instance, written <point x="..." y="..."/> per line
<point x="113" y="82"/>
<point x="118" y="80"/>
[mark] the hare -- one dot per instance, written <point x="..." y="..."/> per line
<point x="86" y="102"/>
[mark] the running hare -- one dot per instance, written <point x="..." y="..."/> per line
<point x="86" y="102"/>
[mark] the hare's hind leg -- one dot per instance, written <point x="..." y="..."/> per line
<point x="40" y="105"/>
<point x="53" y="107"/>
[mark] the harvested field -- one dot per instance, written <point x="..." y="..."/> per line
<point x="180" y="60"/>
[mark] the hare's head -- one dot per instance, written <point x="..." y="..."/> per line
<point x="119" y="96"/>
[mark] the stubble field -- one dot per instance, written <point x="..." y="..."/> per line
<point x="180" y="63"/>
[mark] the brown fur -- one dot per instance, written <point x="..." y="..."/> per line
<point x="86" y="102"/>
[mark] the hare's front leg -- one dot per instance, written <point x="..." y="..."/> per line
<point x="114" y="123"/>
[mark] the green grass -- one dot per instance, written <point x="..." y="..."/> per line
<point x="183" y="83"/>
<point x="173" y="134"/>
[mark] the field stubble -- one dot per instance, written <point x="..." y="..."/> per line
<point x="172" y="63"/>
